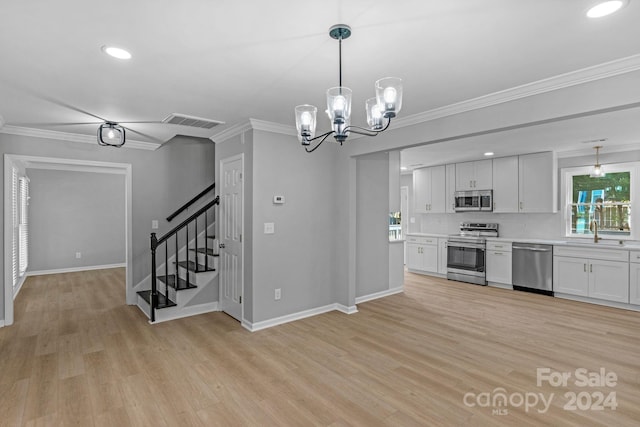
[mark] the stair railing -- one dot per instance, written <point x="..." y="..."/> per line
<point x="192" y="222"/>
<point x="191" y="202"/>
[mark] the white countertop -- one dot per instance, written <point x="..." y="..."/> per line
<point x="582" y="243"/>
<point x="440" y="236"/>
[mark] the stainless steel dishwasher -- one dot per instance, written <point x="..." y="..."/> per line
<point x="532" y="267"/>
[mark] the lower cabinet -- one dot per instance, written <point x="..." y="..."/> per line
<point x="634" y="278"/>
<point x="422" y="254"/>
<point x="442" y="256"/>
<point x="605" y="279"/>
<point x="498" y="263"/>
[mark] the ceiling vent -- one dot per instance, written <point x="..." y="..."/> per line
<point x="191" y="121"/>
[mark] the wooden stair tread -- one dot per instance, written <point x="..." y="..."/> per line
<point x="211" y="236"/>
<point x="171" y="282"/>
<point x="163" y="301"/>
<point x="208" y="251"/>
<point x="192" y="266"/>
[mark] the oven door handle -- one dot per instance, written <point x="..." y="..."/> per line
<point x="465" y="245"/>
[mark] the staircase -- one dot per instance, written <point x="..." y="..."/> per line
<point x="184" y="261"/>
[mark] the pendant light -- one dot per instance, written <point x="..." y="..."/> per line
<point x="598" y="171"/>
<point x="380" y="109"/>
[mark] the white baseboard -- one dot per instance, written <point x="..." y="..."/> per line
<point x="1" y="323"/>
<point x="17" y="289"/>
<point x="74" y="269"/>
<point x="500" y="285"/>
<point x="185" y="312"/>
<point x="253" y="327"/>
<point x="588" y="300"/>
<point x="380" y="294"/>
<point x="346" y="310"/>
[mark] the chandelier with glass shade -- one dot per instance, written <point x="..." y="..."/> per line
<point x="380" y="109"/>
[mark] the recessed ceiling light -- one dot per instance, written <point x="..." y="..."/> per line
<point x="116" y="52"/>
<point x="488" y="153"/>
<point x="605" y="8"/>
<point x="403" y="168"/>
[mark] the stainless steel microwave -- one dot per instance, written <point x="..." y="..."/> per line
<point x="477" y="200"/>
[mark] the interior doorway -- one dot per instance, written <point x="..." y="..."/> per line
<point x="31" y="162"/>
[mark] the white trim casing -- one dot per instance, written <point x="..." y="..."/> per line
<point x="35" y="162"/>
<point x="566" y="196"/>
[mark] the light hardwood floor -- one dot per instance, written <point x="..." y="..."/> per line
<point x="77" y="355"/>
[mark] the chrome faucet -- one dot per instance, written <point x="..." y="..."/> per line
<point x="593" y="227"/>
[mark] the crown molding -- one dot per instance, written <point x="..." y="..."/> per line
<point x="255" y="124"/>
<point x="230" y="132"/>
<point x="561" y="81"/>
<point x="273" y="127"/>
<point x="71" y="137"/>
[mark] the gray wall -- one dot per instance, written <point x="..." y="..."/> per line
<point x="73" y="212"/>
<point x="372" y="219"/>
<point x="190" y="161"/>
<point x="299" y="257"/>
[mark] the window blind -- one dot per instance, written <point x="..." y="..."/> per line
<point x="14" y="224"/>
<point x="23" y="229"/>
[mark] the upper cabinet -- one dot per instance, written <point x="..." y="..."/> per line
<point x="534" y="190"/>
<point x="429" y="190"/>
<point x="450" y="188"/>
<point x="476" y="175"/>
<point x="538" y="182"/>
<point x="505" y="184"/>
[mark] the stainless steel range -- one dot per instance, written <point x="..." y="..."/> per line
<point x="466" y="252"/>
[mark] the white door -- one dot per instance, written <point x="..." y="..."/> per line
<point x="231" y="215"/>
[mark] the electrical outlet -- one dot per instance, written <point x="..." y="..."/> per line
<point x="78" y="255"/>
<point x="269" y="228"/>
<point x="278" y="294"/>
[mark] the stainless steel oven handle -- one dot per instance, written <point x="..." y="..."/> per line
<point x="465" y="245"/>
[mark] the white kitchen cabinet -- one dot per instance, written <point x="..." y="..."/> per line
<point x="442" y="256"/>
<point x="538" y="182"/>
<point x="609" y="280"/>
<point x="429" y="189"/>
<point x="422" y="254"/>
<point x="450" y="188"/>
<point x="634" y="278"/>
<point x="570" y="276"/>
<point x="594" y="273"/>
<point x="498" y="263"/>
<point x="476" y="175"/>
<point x="505" y="184"/>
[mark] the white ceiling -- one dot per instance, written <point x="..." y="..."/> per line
<point x="232" y="60"/>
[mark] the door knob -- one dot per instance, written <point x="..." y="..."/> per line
<point x="222" y="246"/>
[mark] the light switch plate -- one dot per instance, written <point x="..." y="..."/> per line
<point x="278" y="200"/>
<point x="269" y="228"/>
<point x="154" y="224"/>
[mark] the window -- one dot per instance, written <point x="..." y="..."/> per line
<point x="605" y="200"/>
<point x="20" y="225"/>
<point x="14" y="224"/>
<point x="23" y="228"/>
